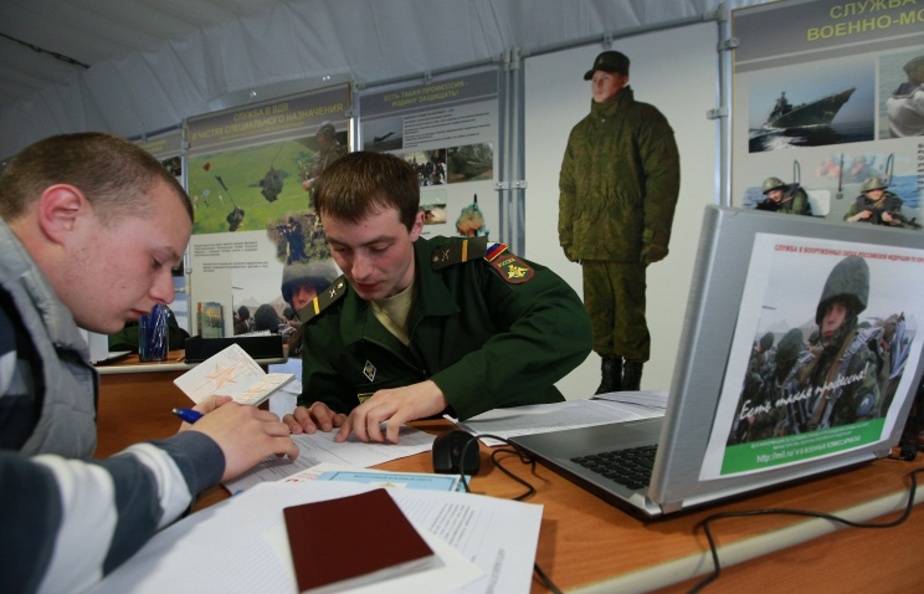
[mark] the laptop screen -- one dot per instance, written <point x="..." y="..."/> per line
<point x="799" y="352"/>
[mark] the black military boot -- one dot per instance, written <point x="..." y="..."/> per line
<point x="611" y="370"/>
<point x="632" y="376"/>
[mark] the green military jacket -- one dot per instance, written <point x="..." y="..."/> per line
<point x="489" y="333"/>
<point x="889" y="203"/>
<point x="619" y="182"/>
<point x="795" y="201"/>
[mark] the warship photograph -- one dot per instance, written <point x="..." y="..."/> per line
<point x="817" y="122"/>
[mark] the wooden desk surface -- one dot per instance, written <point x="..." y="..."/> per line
<point x="584" y="541"/>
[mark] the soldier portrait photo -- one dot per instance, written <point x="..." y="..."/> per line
<point x="839" y="367"/>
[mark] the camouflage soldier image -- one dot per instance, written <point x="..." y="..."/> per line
<point x="619" y="182"/>
<point x="839" y="376"/>
<point x="293" y="233"/>
<point x="878" y="206"/>
<point x="329" y="150"/>
<point x="783" y="197"/>
<point x="301" y="283"/>
<point x="760" y="412"/>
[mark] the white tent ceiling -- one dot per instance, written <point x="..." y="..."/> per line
<point x="137" y="66"/>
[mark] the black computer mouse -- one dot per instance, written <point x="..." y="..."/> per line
<point x="447" y="452"/>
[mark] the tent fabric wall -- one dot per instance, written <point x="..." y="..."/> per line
<point x="300" y="42"/>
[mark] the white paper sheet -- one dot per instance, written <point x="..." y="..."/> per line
<point x="540" y="418"/>
<point x="321" y="447"/>
<point x="229" y="547"/>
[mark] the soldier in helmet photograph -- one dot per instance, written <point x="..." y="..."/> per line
<point x="840" y="379"/>
<point x="782" y="197"/>
<point x="824" y="344"/>
<point x="878" y="206"/>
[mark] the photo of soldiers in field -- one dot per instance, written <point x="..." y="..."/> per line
<point x="840" y="367"/>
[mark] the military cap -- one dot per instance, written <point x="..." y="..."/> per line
<point x="914" y="64"/>
<point x="610" y="61"/>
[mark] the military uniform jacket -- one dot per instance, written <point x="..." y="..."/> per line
<point x="889" y="203"/>
<point x="489" y="334"/>
<point x="619" y="182"/>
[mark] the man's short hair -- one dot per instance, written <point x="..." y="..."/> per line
<point x="115" y="175"/>
<point x="358" y="184"/>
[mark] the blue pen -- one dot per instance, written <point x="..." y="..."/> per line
<point x="187" y="414"/>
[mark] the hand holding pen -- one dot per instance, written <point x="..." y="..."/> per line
<point x="245" y="434"/>
<point x="187" y="415"/>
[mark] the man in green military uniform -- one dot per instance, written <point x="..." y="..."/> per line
<point x="619" y="182"/>
<point x="840" y="381"/>
<point x="878" y="206"/>
<point x="783" y="197"/>
<point x="418" y="327"/>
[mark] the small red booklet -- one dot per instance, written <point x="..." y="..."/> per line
<point x="351" y="541"/>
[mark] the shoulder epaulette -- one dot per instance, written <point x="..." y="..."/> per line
<point x="458" y="252"/>
<point x="335" y="291"/>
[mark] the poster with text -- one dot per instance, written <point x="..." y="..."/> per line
<point x="818" y="356"/>
<point x="258" y="253"/>
<point x="168" y="149"/>
<point x="448" y="131"/>
<point x="827" y="95"/>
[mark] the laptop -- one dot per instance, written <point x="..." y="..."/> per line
<point x="746" y="408"/>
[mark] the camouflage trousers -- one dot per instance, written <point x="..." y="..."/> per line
<point x="614" y="295"/>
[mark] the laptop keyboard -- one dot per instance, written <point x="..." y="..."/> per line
<point x="629" y="467"/>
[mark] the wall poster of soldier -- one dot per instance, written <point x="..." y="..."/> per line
<point x="258" y="247"/>
<point x="830" y="104"/>
<point x="817" y="359"/>
<point x="447" y="130"/>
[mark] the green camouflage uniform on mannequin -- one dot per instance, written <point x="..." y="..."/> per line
<point x="619" y="182"/>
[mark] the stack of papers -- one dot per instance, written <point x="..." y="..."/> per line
<point x="614" y="407"/>
<point x="240" y="545"/>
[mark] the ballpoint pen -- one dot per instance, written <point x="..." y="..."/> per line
<point x="187" y="414"/>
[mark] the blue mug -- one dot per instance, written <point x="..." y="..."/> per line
<point x="152" y="335"/>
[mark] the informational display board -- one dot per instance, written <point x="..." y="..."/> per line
<point x="168" y="148"/>
<point x="821" y="99"/>
<point x="249" y="177"/>
<point x="448" y="130"/>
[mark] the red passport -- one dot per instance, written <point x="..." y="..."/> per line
<point x="352" y="541"/>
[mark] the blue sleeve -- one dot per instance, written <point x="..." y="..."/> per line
<point x="66" y="523"/>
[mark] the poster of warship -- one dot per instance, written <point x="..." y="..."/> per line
<point x="807" y="115"/>
<point x="842" y="113"/>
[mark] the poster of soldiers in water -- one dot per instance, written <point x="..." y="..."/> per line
<point x="817" y="359"/>
<point x="447" y="130"/>
<point x="828" y="106"/>
<point x="257" y="244"/>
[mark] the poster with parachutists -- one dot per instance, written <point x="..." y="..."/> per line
<point x="258" y="252"/>
<point x="168" y="149"/>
